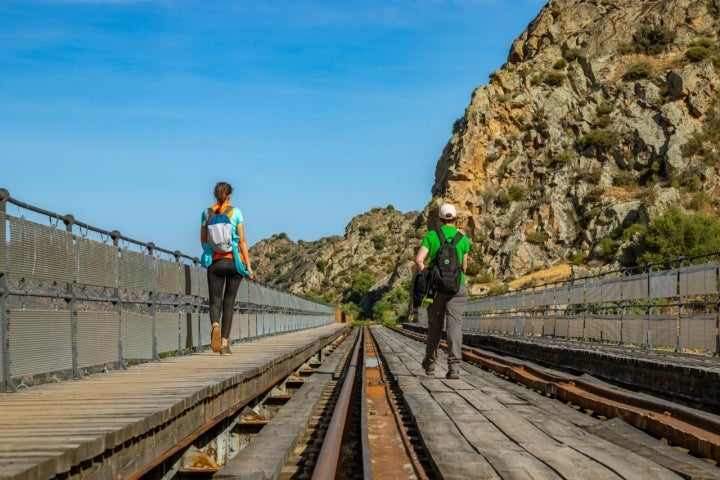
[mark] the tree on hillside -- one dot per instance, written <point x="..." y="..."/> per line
<point x="677" y="234"/>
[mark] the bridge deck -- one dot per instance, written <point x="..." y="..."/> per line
<point x="480" y="426"/>
<point x="112" y="425"/>
<point x="483" y="426"/>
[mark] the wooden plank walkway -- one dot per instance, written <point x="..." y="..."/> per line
<point x="268" y="452"/>
<point x="485" y="427"/>
<point x="109" y="426"/>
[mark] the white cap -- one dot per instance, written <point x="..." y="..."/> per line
<point x="447" y="212"/>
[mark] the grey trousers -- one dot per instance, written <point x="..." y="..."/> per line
<point x="450" y="309"/>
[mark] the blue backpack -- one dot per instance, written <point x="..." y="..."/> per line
<point x="219" y="230"/>
<point x="220" y="239"/>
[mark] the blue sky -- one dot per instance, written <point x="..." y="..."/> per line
<point x="125" y="113"/>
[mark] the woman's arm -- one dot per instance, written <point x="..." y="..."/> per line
<point x="242" y="244"/>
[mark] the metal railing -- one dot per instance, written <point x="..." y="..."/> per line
<point x="674" y="308"/>
<point x="77" y="299"/>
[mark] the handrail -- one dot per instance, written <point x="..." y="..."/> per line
<point x="112" y="305"/>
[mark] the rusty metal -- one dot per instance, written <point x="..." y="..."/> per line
<point x="390" y="447"/>
<point x="327" y="460"/>
<point x="681" y="426"/>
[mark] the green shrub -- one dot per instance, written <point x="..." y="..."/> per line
<point x="579" y="258"/>
<point x="378" y="242"/>
<point x="630" y="231"/>
<point x="706" y="42"/>
<point x="594" y="194"/>
<point x="626" y="48"/>
<point x="536" y="238"/>
<point x="603" y="121"/>
<point x="690" y="183"/>
<point x="536" y="80"/>
<point x="498" y="289"/>
<point x="516" y="192"/>
<point x="562" y="158"/>
<point x="361" y="283"/>
<point x="703" y="142"/>
<point x="592" y="175"/>
<point x="607" y="248"/>
<point x="560" y="64"/>
<point x="600" y="138"/>
<point x="473" y="268"/>
<point x="351" y="309"/>
<point x="502" y="201"/>
<point x="458" y="125"/>
<point x="697" y="54"/>
<point x="713" y="7"/>
<point x="652" y="40"/>
<point x="675" y="233"/>
<point x="484" y="278"/>
<point x="554" y="78"/>
<point x="699" y="200"/>
<point x="623" y="178"/>
<point x="503" y="166"/>
<point x="605" y="108"/>
<point x="639" y="70"/>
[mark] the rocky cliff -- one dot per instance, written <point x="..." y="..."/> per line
<point x="604" y="114"/>
<point x="587" y="129"/>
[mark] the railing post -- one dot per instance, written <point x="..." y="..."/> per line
<point x="717" y="313"/>
<point x="585" y="310"/>
<point x="115" y="236"/>
<point x="71" y="300"/>
<point x="151" y="301"/>
<point x="680" y="305"/>
<point x="648" y="338"/>
<point x="4" y="317"/>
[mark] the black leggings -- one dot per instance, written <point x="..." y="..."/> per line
<point x="223" y="283"/>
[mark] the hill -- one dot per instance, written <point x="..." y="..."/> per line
<point x="604" y="115"/>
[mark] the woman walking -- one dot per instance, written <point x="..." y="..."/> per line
<point x="225" y="254"/>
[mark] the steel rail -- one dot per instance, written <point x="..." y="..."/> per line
<point x="327" y="460"/>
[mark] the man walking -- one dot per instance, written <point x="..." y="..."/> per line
<point x="447" y="306"/>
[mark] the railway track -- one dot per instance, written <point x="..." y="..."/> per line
<point x="366" y="435"/>
<point x="356" y="421"/>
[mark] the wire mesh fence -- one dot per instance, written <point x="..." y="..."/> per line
<point x="672" y="309"/>
<point x="77" y="299"/>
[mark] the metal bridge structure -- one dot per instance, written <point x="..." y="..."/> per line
<point x="77" y="299"/>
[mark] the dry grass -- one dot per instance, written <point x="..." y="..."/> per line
<point x="552" y="274"/>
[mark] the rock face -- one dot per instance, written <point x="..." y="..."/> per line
<point x="604" y="114"/>
<point x="581" y="133"/>
<point x="372" y="260"/>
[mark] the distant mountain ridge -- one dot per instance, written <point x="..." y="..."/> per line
<point x="604" y="115"/>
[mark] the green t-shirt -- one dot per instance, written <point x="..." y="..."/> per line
<point x="431" y="241"/>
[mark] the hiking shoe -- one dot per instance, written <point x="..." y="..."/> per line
<point x="429" y="367"/>
<point x="225" y="350"/>
<point x="215" y="337"/>
<point x="453" y="372"/>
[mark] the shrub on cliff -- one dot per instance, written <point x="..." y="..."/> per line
<point x="675" y="233"/>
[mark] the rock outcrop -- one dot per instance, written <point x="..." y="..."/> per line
<point x="581" y="133"/>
